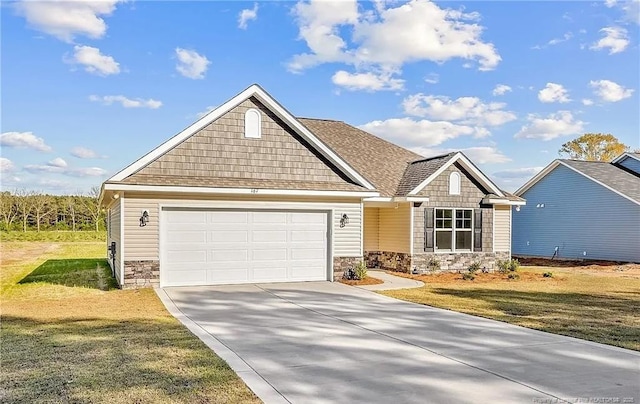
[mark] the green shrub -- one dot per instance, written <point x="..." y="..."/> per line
<point x="468" y="276"/>
<point x="513" y="276"/>
<point x="361" y="270"/>
<point x="547" y="275"/>
<point x="506" y="266"/>
<point x="473" y="268"/>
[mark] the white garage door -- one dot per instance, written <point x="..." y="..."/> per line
<point x="209" y="247"/>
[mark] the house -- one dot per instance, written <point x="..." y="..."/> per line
<point x="249" y="193"/>
<point x="581" y="210"/>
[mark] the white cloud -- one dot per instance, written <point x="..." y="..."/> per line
<point x="564" y="38"/>
<point x="610" y="3"/>
<point x="94" y="61"/>
<point x="518" y="173"/>
<point x="24" y="140"/>
<point x="67" y="19"/>
<point x="83" y="153"/>
<point x="561" y="123"/>
<point x="432" y="78"/>
<point x="126" y="102"/>
<point x="68" y="171"/>
<point x="501" y="89"/>
<point x="465" y="110"/>
<point x="609" y="91"/>
<point x="247" y="15"/>
<point x="630" y="9"/>
<point x="554" y="93"/>
<point x="424" y="133"/>
<point x="615" y="39"/>
<point x="428" y="33"/>
<point x="58" y="162"/>
<point x="206" y="111"/>
<point x="191" y="64"/>
<point x="6" y="165"/>
<point x="367" y="81"/>
<point x="587" y="101"/>
<point x="479" y="155"/>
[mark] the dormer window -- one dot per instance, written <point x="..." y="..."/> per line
<point x="454" y="184"/>
<point x="252" y="124"/>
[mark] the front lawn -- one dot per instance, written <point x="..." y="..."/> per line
<point x="597" y="303"/>
<point x="68" y="336"/>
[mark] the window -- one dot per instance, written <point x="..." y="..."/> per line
<point x="252" y="124"/>
<point x="454" y="229"/>
<point x="454" y="184"/>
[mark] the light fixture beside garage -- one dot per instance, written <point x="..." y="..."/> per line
<point x="144" y="218"/>
<point x="344" y="220"/>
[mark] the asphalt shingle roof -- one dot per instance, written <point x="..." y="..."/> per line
<point x="420" y="170"/>
<point x="382" y="163"/>
<point x="610" y="175"/>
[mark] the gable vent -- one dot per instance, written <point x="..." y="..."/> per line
<point x="252" y="124"/>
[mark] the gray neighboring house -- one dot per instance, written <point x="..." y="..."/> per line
<point x="581" y="210"/>
<point x="251" y="194"/>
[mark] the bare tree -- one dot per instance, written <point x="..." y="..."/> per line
<point x="8" y="208"/>
<point x="42" y="206"/>
<point x="70" y="204"/>
<point x="92" y="205"/>
<point x="23" y="204"/>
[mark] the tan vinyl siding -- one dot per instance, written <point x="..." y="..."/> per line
<point x="142" y="243"/>
<point x="114" y="235"/>
<point x="502" y="228"/>
<point x="395" y="229"/>
<point x="371" y="229"/>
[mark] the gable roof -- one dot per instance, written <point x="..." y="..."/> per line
<point x="270" y="103"/>
<point x="606" y="174"/>
<point x="418" y="171"/>
<point x="626" y="155"/>
<point x="467" y="164"/>
<point x="381" y="162"/>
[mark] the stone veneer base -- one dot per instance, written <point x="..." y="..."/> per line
<point x="393" y="261"/>
<point x="141" y="274"/>
<point x="402" y="262"/>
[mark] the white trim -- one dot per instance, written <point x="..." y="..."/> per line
<point x="623" y="156"/>
<point x="247" y="114"/>
<point x="555" y="164"/>
<point x="510" y="229"/>
<point x="411" y="217"/>
<point x="236" y="191"/>
<point x="121" y="246"/>
<point x="362" y="229"/>
<point x="469" y="166"/>
<point x="458" y="184"/>
<point x="269" y="102"/>
<point x="493" y="229"/>
<point x="453" y="230"/>
<point x="504" y="202"/>
<point x="378" y="199"/>
<point x="410" y="199"/>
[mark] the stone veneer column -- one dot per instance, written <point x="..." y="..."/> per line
<point x="141" y="274"/>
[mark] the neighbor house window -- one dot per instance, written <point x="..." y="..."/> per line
<point x="453" y="229"/>
<point x="252" y="124"/>
<point x="454" y="184"/>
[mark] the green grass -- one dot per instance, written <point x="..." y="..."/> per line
<point x="60" y="236"/>
<point x="69" y="337"/>
<point x="597" y="306"/>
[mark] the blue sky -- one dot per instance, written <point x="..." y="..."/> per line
<point x="89" y="87"/>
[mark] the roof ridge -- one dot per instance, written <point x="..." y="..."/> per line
<point x="319" y="119"/>
<point x="433" y="157"/>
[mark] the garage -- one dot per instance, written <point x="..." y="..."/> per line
<point x="211" y="247"/>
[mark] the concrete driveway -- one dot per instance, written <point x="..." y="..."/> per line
<point x="326" y="342"/>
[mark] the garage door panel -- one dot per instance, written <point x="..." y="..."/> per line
<point x="226" y="247"/>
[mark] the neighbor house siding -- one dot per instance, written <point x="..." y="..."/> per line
<point x="580" y="217"/>
<point x="502" y="228"/>
<point x="395" y="229"/>
<point x="630" y="163"/>
<point x="114" y="236"/>
<point x="371" y="229"/>
<point x="143" y="242"/>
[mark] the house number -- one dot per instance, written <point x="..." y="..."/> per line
<point x="254" y="190"/>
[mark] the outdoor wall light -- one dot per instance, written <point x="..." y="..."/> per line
<point x="344" y="220"/>
<point x="144" y="219"/>
<point x="116" y="196"/>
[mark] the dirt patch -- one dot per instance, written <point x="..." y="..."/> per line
<point x="366" y="281"/>
<point x="454" y="277"/>
<point x="598" y="268"/>
<point x="19" y="252"/>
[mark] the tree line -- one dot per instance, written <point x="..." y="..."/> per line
<point x="24" y="210"/>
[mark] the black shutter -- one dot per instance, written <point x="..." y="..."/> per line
<point x="477" y="230"/>
<point x="428" y="229"/>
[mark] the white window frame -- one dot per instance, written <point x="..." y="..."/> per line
<point x="453" y="230"/>
<point x="247" y="115"/>
<point x="454" y="183"/>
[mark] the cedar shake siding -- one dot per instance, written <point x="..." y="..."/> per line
<point x="219" y="155"/>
